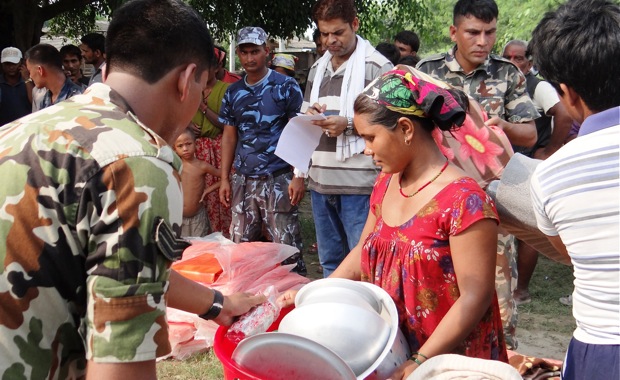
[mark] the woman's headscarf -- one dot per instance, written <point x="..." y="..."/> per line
<point x="402" y="92"/>
<point x="286" y="61"/>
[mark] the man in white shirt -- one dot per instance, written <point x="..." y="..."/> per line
<point x="576" y="191"/>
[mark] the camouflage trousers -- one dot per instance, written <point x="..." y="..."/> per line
<point x="262" y="204"/>
<point x="505" y="284"/>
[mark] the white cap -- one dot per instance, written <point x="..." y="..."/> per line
<point x="11" y="54"/>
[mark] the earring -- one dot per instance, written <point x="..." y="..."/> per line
<point x="407" y="141"/>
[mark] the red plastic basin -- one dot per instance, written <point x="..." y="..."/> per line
<point x="224" y="348"/>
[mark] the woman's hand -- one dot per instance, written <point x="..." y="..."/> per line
<point x="287" y="298"/>
<point x="404" y="370"/>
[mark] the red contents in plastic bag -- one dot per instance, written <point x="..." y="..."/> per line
<point x="253" y="322"/>
<point x="203" y="268"/>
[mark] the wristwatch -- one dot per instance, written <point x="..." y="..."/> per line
<point x="349" y="129"/>
<point x="216" y="308"/>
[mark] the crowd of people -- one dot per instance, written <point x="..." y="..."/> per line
<point x="110" y="174"/>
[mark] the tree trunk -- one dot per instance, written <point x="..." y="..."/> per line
<point x="27" y="23"/>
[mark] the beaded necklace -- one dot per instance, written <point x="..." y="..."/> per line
<point x="400" y="179"/>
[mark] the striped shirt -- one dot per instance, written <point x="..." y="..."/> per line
<point x="576" y="195"/>
<point x="356" y="175"/>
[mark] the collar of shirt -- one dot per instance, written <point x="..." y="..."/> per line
<point x="454" y="65"/>
<point x="107" y="94"/>
<point x="600" y="121"/>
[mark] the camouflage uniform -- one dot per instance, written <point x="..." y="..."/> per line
<point x="497" y="85"/>
<point x="85" y="220"/>
<point x="500" y="88"/>
<point x="260" y="200"/>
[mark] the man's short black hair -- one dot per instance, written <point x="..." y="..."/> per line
<point x="485" y="10"/>
<point x="95" y="41"/>
<point x="149" y="38"/>
<point x="408" y="38"/>
<point x="46" y="55"/>
<point x="579" y="45"/>
<point x="70" y="50"/>
<point x="389" y="51"/>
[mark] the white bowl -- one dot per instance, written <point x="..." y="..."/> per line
<point x="354" y="333"/>
<point x="338" y="290"/>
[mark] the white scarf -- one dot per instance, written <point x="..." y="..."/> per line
<point x="352" y="85"/>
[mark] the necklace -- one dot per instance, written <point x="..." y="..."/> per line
<point x="400" y="180"/>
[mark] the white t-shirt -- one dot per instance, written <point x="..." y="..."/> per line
<point x="576" y="195"/>
<point x="545" y="97"/>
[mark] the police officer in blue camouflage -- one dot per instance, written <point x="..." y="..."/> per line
<point x="500" y="88"/>
<point x="263" y="193"/>
<point x="90" y="203"/>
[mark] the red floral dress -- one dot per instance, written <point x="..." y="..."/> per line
<point x="413" y="263"/>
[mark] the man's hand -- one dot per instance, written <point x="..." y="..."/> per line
<point x="296" y="190"/>
<point x="521" y="134"/>
<point x="316" y="109"/>
<point x="225" y="192"/>
<point x="333" y="126"/>
<point x="237" y="304"/>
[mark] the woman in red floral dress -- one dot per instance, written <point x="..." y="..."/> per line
<point x="431" y="234"/>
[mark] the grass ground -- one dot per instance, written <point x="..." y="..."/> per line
<point x="545" y="325"/>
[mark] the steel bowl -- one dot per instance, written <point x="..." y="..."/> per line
<point x="280" y="356"/>
<point x="396" y="350"/>
<point x="354" y="333"/>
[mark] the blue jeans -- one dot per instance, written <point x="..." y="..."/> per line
<point x="339" y="221"/>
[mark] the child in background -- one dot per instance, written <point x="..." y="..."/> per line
<point x="195" y="220"/>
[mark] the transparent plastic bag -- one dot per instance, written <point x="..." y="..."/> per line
<point x="256" y="320"/>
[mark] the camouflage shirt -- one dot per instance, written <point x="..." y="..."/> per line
<point x="497" y="84"/>
<point x="86" y="194"/>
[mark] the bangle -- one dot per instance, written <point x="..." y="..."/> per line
<point x="420" y="354"/>
<point x="216" y="307"/>
<point x="414" y="358"/>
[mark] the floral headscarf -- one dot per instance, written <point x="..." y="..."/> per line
<point x="402" y="92"/>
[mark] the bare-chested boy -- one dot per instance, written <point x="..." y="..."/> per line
<point x="195" y="220"/>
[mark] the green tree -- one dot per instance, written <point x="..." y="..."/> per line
<point x="21" y="21"/>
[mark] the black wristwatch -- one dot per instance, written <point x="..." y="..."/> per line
<point x="216" y="308"/>
<point x="349" y="129"/>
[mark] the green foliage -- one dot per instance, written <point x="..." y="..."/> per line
<point x="380" y="20"/>
<point x="518" y="18"/>
<point x="279" y="18"/>
<point x="81" y="20"/>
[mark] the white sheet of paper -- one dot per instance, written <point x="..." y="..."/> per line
<point x="298" y="141"/>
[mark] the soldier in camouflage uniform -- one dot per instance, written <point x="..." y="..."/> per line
<point x="254" y="112"/>
<point x="89" y="200"/>
<point x="499" y="87"/>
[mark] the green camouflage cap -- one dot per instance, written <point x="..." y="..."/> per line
<point x="251" y="35"/>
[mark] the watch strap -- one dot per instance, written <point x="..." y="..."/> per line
<point x="216" y="307"/>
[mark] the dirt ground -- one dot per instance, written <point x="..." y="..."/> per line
<point x="536" y="340"/>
